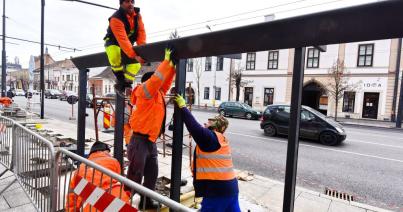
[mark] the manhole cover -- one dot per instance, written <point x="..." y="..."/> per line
<point x="338" y="194"/>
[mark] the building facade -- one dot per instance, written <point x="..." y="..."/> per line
<point x="370" y="69"/>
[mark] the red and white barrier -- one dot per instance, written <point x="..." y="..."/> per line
<point x="99" y="198"/>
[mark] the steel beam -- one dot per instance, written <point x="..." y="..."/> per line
<point x="82" y="87"/>
<point x="293" y="135"/>
<point x="345" y="25"/>
<point x="176" y="167"/>
<point x="119" y="114"/>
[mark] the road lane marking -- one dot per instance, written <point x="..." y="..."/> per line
<point x="323" y="148"/>
<point x="365" y="142"/>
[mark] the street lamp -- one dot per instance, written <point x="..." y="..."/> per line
<point x="4" y="62"/>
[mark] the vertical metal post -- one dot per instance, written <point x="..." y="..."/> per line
<point x="397" y="72"/>
<point x="42" y="73"/>
<point x="95" y="106"/>
<point x="230" y="80"/>
<point x="176" y="167"/>
<point x="293" y="135"/>
<point x="400" y="107"/>
<point x="3" y="55"/>
<point x="82" y="87"/>
<point x="119" y="118"/>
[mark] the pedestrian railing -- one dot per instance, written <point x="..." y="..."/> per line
<point x="53" y="177"/>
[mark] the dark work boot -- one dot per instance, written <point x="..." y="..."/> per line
<point x="149" y="203"/>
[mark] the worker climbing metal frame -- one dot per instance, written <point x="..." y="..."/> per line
<point x="329" y="27"/>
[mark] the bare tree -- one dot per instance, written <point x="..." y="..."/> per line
<point x="338" y="83"/>
<point x="174" y="35"/>
<point x="198" y="72"/>
<point x="237" y="81"/>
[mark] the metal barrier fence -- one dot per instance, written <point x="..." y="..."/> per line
<point x="6" y="126"/>
<point x="72" y="169"/>
<point x="32" y="160"/>
<point x="51" y="178"/>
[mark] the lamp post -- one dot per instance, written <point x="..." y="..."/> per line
<point x="42" y="71"/>
<point x="4" y="61"/>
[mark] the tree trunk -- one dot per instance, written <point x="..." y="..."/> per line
<point x="198" y="94"/>
<point x="337" y="105"/>
<point x="237" y="92"/>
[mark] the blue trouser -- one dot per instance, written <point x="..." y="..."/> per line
<point x="220" y="204"/>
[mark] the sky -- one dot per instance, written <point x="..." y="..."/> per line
<point x="81" y="26"/>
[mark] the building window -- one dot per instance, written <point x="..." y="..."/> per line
<point x="313" y="58"/>
<point x="208" y="64"/>
<point x="206" y="93"/>
<point x="348" y="102"/>
<point x="68" y="77"/>
<point x="110" y="88"/>
<point x="365" y="55"/>
<point x="268" y="96"/>
<point x="273" y="60"/>
<point x="189" y="65"/>
<point x="63" y="78"/>
<point x="217" y="93"/>
<point x="220" y="64"/>
<point x="250" y="61"/>
<point x="106" y="89"/>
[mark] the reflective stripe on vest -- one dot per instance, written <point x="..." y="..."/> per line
<point x="215" y="165"/>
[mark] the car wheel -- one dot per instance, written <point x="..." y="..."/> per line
<point x="270" y="130"/>
<point x="328" y="138"/>
<point x="222" y="112"/>
<point x="248" y="116"/>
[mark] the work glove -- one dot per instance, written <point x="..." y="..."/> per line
<point x="168" y="55"/>
<point x="180" y="101"/>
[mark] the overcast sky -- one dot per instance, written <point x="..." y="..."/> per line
<point x="83" y="27"/>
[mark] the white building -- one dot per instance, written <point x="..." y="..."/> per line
<point x="370" y="65"/>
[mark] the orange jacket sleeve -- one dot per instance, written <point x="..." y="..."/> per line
<point x="118" y="30"/>
<point x="141" y="32"/>
<point x="150" y="88"/>
<point x="168" y="81"/>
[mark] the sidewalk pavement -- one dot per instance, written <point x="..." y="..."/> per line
<point x="258" y="194"/>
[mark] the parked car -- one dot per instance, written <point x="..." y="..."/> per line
<point x="314" y="125"/>
<point x="89" y="102"/>
<point x="52" y="94"/>
<point x="238" y="109"/>
<point x="65" y="94"/>
<point x="19" y="92"/>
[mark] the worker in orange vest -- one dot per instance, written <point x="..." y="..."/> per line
<point x="148" y="122"/>
<point x="6" y="101"/>
<point x="214" y="177"/>
<point x="100" y="154"/>
<point x="125" y="28"/>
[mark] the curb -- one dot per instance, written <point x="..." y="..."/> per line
<point x="371" y="126"/>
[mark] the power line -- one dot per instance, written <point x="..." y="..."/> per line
<point x="248" y="18"/>
<point x="231" y="16"/>
<point x="47" y="44"/>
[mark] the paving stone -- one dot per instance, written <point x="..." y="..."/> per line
<point x="3" y="204"/>
<point x="22" y="208"/>
<point x="16" y="197"/>
<point x="307" y="202"/>
<point x="273" y="198"/>
<point x="342" y="207"/>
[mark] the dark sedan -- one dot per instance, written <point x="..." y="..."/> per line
<point x="314" y="125"/>
<point x="238" y="109"/>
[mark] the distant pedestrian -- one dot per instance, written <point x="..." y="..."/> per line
<point x="214" y="178"/>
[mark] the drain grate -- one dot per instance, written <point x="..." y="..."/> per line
<point x="338" y="194"/>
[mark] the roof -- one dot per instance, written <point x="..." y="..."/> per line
<point x="66" y="63"/>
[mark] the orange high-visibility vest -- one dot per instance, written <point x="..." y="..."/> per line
<point x="148" y="115"/>
<point x="215" y="165"/>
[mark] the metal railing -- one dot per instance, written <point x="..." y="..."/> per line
<point x="48" y="175"/>
<point x="71" y="165"/>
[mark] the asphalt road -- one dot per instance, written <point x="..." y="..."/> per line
<point x="368" y="165"/>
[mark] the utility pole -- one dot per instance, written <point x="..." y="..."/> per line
<point x="3" y="53"/>
<point x="42" y="72"/>
<point x="397" y="72"/>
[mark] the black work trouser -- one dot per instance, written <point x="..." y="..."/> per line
<point x="143" y="161"/>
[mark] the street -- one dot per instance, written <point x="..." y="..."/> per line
<point x="368" y="165"/>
